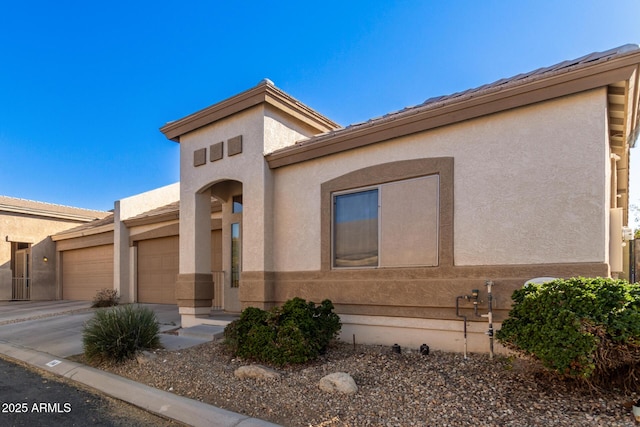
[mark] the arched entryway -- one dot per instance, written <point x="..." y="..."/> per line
<point x="200" y="276"/>
<point x="229" y="193"/>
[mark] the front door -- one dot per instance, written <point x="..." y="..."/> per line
<point x="22" y="277"/>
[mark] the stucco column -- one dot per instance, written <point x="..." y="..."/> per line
<point x="194" y="284"/>
<point x="121" y="269"/>
<point x="257" y="288"/>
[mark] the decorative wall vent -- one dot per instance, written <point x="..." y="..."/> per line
<point x="200" y="157"/>
<point x="215" y="151"/>
<point x="234" y="145"/>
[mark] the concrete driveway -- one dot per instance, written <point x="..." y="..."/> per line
<point x="33" y="332"/>
<point x="55" y="327"/>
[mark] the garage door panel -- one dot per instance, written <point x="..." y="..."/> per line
<point x="151" y="263"/>
<point x="170" y="262"/>
<point x="157" y="270"/>
<point x="158" y="266"/>
<point x="86" y="271"/>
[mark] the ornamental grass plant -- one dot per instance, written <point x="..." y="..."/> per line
<point x="117" y="334"/>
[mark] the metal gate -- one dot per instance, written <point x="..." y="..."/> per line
<point x="218" y="290"/>
<point x="21" y="283"/>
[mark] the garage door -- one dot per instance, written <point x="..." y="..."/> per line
<point x="157" y="270"/>
<point x="85" y="271"/>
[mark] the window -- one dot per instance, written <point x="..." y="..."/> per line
<point x="356" y="229"/>
<point x="235" y="255"/>
<point x="394" y="224"/>
<point x="237" y="204"/>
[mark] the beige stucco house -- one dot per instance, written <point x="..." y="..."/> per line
<point x="392" y="219"/>
<point x="27" y="252"/>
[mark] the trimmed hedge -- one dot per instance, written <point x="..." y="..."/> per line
<point x="297" y="332"/>
<point x="586" y="328"/>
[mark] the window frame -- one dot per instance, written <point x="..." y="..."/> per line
<point x="379" y="219"/>
<point x="386" y="172"/>
<point x="235" y="246"/>
<point x="333" y="222"/>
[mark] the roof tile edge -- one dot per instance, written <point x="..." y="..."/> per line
<point x="277" y="158"/>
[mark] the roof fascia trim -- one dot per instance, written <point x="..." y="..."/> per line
<point x="263" y="93"/>
<point x="46" y="213"/>
<point x="83" y="233"/>
<point x="153" y="219"/>
<point x="456" y="110"/>
<point x="635" y="116"/>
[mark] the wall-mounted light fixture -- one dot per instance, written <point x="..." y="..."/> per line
<point x="45" y="259"/>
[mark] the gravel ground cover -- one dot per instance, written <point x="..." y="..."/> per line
<point x="408" y="389"/>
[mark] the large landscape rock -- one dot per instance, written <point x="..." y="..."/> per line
<point x="338" y="382"/>
<point x="257" y="372"/>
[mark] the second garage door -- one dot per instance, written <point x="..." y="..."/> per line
<point x="85" y="271"/>
<point x="157" y="270"/>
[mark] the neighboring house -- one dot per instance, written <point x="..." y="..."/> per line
<point x="394" y="218"/>
<point x="137" y="254"/>
<point x="27" y="253"/>
<point x="98" y="255"/>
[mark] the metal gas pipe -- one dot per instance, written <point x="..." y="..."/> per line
<point x="474" y="297"/>
<point x="489" y="316"/>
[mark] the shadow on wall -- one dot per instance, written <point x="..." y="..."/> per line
<point x="5" y="281"/>
<point x="29" y="272"/>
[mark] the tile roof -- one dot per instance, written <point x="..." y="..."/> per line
<point x="171" y="208"/>
<point x="13" y="204"/>
<point x="164" y="212"/>
<point x="502" y="84"/>
<point x="90" y="226"/>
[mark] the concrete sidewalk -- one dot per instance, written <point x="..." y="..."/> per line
<point x="42" y="334"/>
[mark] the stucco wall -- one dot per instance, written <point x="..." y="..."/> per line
<point x="127" y="208"/>
<point x="263" y="129"/>
<point x="34" y="230"/>
<point x="247" y="167"/>
<point x="281" y="131"/>
<point x="529" y="186"/>
<point x="144" y="202"/>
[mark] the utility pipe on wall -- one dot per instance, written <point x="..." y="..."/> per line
<point x="474" y="296"/>
<point x="464" y="317"/>
<point x="489" y="316"/>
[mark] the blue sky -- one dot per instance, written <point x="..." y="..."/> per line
<point x="85" y="86"/>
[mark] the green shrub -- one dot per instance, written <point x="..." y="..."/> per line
<point x="106" y="298"/>
<point x="114" y="335"/>
<point x="297" y="332"/>
<point x="580" y="328"/>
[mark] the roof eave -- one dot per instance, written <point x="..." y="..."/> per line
<point x="82" y="233"/>
<point x="66" y="216"/>
<point x="492" y="100"/>
<point x="153" y="219"/>
<point x="265" y="92"/>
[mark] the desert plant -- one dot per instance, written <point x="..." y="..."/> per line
<point x="114" y="335"/>
<point x="579" y="328"/>
<point x="106" y="298"/>
<point x="294" y="333"/>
